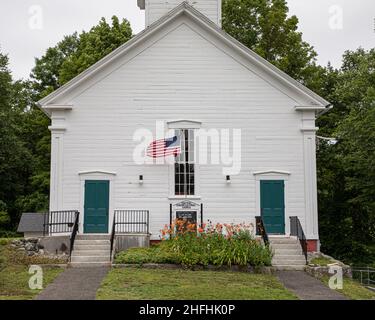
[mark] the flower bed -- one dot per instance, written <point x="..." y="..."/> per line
<point x="218" y="245"/>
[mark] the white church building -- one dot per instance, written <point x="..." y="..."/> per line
<point x="183" y="77"/>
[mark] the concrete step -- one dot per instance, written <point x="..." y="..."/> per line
<point x="286" y="246"/>
<point x="94" y="247"/>
<point x="93" y="237"/>
<point x="283" y="241"/>
<point x="91" y="253"/>
<point x="91" y="242"/>
<point x="287" y="251"/>
<point x="95" y="259"/>
<point x="289" y="268"/>
<point x="89" y="264"/>
<point x="288" y="262"/>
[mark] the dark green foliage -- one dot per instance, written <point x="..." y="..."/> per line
<point x="264" y="27"/>
<point x="346" y="171"/>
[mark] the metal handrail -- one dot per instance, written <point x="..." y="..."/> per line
<point x="73" y="234"/>
<point x="113" y="233"/>
<point x="261" y="230"/>
<point x="297" y="231"/>
<point x="59" y="222"/>
<point x="367" y="271"/>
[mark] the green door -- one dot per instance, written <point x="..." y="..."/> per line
<point x="272" y="205"/>
<point x="96" y="207"/>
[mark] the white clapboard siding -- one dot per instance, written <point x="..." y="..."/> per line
<point x="155" y="9"/>
<point x="183" y="76"/>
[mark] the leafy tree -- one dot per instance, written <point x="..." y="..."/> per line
<point x="264" y="27"/>
<point x="14" y="156"/>
<point x="46" y="72"/>
<point x="346" y="171"/>
<point x="94" y="45"/>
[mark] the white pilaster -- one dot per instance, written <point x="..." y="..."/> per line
<point x="57" y="129"/>
<point x="309" y="152"/>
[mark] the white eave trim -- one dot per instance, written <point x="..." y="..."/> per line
<point x="309" y="108"/>
<point x="185" y="8"/>
<point x="81" y="173"/>
<point x="256" y="173"/>
<point x="56" y="129"/>
<point x="55" y="107"/>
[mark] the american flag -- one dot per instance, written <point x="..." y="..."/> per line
<point x="164" y="148"/>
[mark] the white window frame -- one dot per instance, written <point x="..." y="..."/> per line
<point x="180" y="125"/>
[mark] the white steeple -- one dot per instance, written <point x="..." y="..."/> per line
<point x="155" y="9"/>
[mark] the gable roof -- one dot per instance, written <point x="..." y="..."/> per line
<point x="318" y="103"/>
<point x="31" y="222"/>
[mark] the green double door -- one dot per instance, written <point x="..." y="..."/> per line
<point x="96" y="206"/>
<point x="272" y="205"/>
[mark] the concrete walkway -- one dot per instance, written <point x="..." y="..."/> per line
<point x="307" y="287"/>
<point x="75" y="284"/>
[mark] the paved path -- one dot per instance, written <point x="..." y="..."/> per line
<point x="307" y="287"/>
<point x="75" y="284"/>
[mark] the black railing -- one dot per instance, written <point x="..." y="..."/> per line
<point x="296" y="230"/>
<point x="261" y="230"/>
<point x="129" y="222"/>
<point x="132" y="221"/>
<point x="73" y="234"/>
<point x="113" y="233"/>
<point x="59" y="222"/>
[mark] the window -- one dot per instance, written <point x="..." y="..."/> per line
<point x="184" y="166"/>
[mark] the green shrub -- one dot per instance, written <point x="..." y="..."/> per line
<point x="236" y="246"/>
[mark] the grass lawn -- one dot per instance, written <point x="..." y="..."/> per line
<point x="353" y="290"/>
<point x="14" y="276"/>
<point x="144" y="284"/>
<point x="322" y="261"/>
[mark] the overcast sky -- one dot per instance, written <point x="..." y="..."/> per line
<point x="331" y="26"/>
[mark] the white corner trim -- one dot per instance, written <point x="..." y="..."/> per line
<point x="103" y="172"/>
<point x="184" y="124"/>
<point x="271" y="172"/>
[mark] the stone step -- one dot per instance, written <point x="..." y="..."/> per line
<point x="86" y="247"/>
<point x="93" y="237"/>
<point x="91" y="253"/>
<point x="91" y="242"/>
<point x="94" y="259"/>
